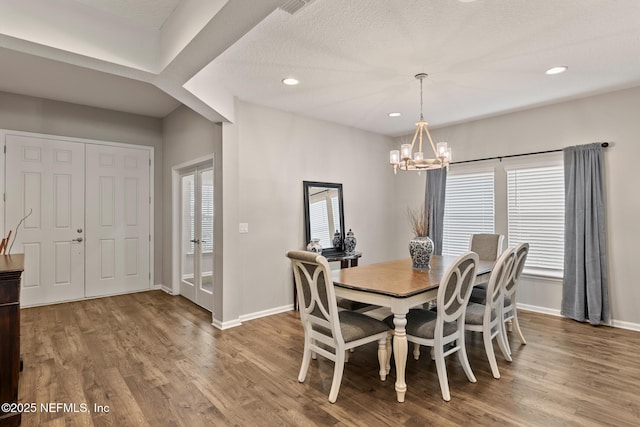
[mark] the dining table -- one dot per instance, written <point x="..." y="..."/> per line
<point x="398" y="286"/>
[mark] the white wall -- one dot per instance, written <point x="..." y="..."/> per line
<point x="611" y="117"/>
<point x="29" y="114"/>
<point x="279" y="150"/>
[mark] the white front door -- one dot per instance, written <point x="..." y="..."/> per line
<point x="45" y="180"/>
<point x="118" y="227"/>
<point x="196" y="260"/>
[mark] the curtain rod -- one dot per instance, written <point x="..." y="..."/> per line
<point x="603" y="144"/>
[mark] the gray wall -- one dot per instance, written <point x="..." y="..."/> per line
<point x="189" y="136"/>
<point x="29" y="114"/>
<point x="276" y="151"/>
<point x="608" y="117"/>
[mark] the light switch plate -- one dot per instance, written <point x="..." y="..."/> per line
<point x="244" y="227"/>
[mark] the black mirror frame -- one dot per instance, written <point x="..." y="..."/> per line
<point x="306" y="186"/>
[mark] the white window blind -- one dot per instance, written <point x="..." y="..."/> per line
<point x="468" y="209"/>
<point x="207" y="218"/>
<point x="206" y="225"/>
<point x="536" y="214"/>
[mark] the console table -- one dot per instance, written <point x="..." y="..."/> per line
<point x="346" y="260"/>
<point x="11" y="268"/>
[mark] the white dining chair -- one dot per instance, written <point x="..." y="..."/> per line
<point x="488" y="247"/>
<point x="328" y="331"/>
<point x="443" y="330"/>
<point x="510" y="310"/>
<point x="487" y="318"/>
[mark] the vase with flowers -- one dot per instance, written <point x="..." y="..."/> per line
<point x="421" y="246"/>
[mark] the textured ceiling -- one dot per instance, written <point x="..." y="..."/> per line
<point x="355" y="59"/>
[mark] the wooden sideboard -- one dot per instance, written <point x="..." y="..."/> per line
<point x="11" y="268"/>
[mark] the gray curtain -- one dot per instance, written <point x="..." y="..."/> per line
<point x="585" y="294"/>
<point x="434" y="199"/>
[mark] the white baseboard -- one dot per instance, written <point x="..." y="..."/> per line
<point x="225" y="325"/>
<point x="246" y="317"/>
<point x="264" y="313"/>
<point x="162" y="287"/>
<point x="625" y="325"/>
<point x="537" y="309"/>
<point x="544" y="310"/>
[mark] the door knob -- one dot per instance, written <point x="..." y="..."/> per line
<point x="79" y="239"/>
<point x="195" y="241"/>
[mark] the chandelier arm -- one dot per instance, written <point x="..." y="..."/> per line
<point x="415" y="135"/>
<point x="433" y="147"/>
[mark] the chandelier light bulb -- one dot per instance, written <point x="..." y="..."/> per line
<point x="394" y="157"/>
<point x="405" y="151"/>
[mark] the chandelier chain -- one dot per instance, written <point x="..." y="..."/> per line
<point x="421" y="116"/>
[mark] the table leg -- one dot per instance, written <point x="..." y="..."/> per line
<point x="400" y="350"/>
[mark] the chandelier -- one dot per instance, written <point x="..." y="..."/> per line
<point x="408" y="160"/>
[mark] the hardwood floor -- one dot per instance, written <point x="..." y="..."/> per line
<point x="155" y="360"/>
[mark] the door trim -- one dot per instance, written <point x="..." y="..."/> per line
<point x="151" y="149"/>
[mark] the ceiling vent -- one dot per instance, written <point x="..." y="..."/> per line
<point x="293" y="6"/>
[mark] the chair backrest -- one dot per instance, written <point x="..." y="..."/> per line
<point x="500" y="275"/>
<point x="487" y="246"/>
<point x="521" y="257"/>
<point x="455" y="287"/>
<point x="316" y="295"/>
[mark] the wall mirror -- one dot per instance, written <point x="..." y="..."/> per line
<point x="324" y="214"/>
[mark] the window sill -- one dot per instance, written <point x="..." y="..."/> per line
<point x="543" y="274"/>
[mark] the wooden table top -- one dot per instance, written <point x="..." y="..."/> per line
<point x="398" y="278"/>
<point x="10" y="263"/>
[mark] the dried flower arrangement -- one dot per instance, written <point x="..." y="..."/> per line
<point x="419" y="220"/>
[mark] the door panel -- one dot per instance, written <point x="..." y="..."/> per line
<point x="188" y="236"/>
<point x="196" y="259"/>
<point x="46" y="177"/>
<point x="205" y="288"/>
<point x="118" y="230"/>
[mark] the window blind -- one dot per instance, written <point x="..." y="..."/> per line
<point x="206" y="232"/>
<point x="207" y="218"/>
<point x="468" y="209"/>
<point x="536" y="214"/>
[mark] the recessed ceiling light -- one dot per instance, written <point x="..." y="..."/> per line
<point x="556" y="70"/>
<point x="394" y="114"/>
<point x="290" y="81"/>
